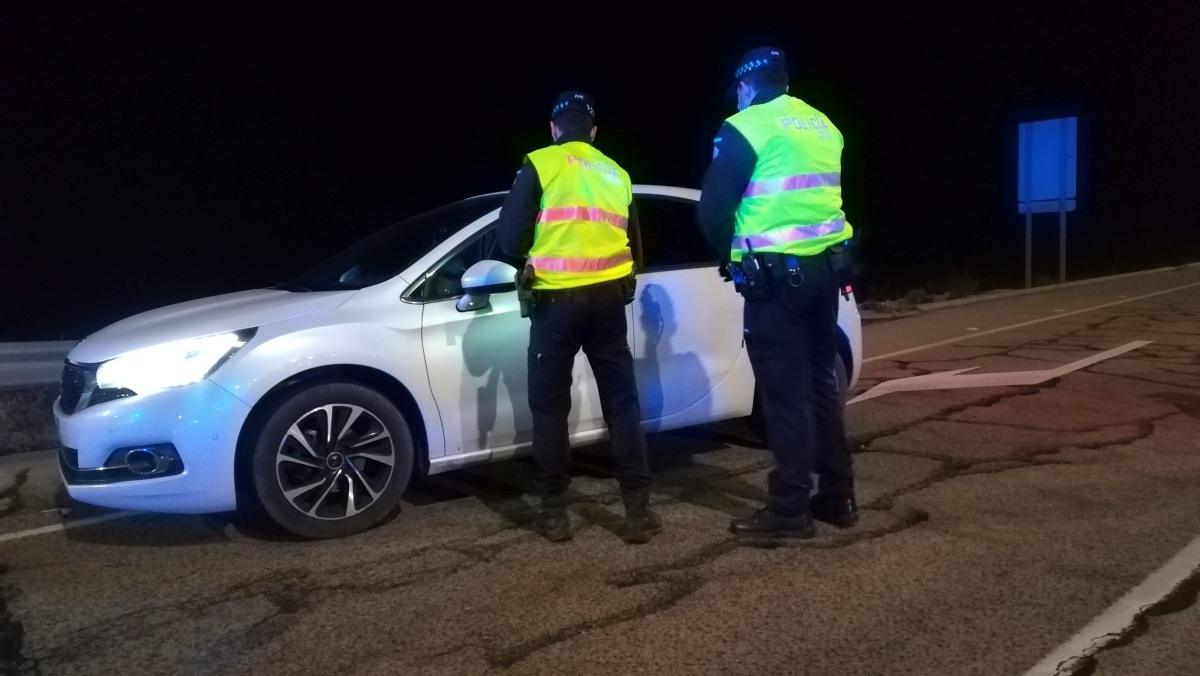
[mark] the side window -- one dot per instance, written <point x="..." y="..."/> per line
<point x="445" y="280"/>
<point x="670" y="236"/>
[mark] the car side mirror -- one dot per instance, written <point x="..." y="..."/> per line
<point x="483" y="279"/>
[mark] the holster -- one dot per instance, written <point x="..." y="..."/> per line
<point x="841" y="265"/>
<point x="527" y="297"/>
<point x="629" y="286"/>
<point x="750" y="277"/>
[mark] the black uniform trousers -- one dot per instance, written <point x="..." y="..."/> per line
<point x="561" y="323"/>
<point x="791" y="338"/>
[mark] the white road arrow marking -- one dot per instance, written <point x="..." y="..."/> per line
<point x="949" y="380"/>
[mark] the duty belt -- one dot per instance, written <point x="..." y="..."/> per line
<point x="779" y="266"/>
<point x="758" y="272"/>
<point x="529" y="297"/>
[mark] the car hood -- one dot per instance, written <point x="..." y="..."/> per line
<point x="203" y="317"/>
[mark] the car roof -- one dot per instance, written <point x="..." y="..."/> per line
<point x="641" y="189"/>
<point x="666" y="191"/>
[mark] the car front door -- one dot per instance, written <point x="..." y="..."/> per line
<point x="477" y="360"/>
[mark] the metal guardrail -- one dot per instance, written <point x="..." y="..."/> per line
<point x="34" y="364"/>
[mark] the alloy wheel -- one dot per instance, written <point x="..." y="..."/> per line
<point x="335" y="461"/>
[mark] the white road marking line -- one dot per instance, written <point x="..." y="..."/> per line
<point x="1119" y="617"/>
<point x="953" y="380"/>
<point x="1028" y="323"/>
<point x="64" y="526"/>
<point x="1110" y="625"/>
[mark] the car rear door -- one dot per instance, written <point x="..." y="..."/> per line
<point x="687" y="320"/>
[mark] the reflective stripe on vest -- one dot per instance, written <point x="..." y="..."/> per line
<point x="798" y="182"/>
<point x="793" y="233"/>
<point x="580" y="264"/>
<point x="580" y="237"/>
<point x="593" y="214"/>
<point x="793" y="201"/>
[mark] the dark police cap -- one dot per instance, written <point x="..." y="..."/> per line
<point x="757" y="59"/>
<point x="573" y="101"/>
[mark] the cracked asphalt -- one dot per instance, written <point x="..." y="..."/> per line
<point x="997" y="523"/>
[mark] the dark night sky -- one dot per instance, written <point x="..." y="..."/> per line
<point x="158" y="152"/>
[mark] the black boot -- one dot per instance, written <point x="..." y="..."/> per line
<point x="767" y="523"/>
<point x="552" y="520"/>
<point x="641" y="523"/>
<point x="840" y="512"/>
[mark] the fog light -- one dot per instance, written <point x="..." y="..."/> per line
<point x="146" y="461"/>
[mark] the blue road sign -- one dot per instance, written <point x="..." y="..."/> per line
<point x="1046" y="169"/>
<point x="1046" y="152"/>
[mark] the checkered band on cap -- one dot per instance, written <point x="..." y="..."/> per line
<point x="577" y="101"/>
<point x="760" y="58"/>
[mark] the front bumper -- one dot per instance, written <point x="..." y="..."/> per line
<point x="202" y="421"/>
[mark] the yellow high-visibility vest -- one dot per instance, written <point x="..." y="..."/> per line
<point x="580" y="237"/>
<point x="793" y="203"/>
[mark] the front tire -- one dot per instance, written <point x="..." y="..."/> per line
<point x="756" y="422"/>
<point x="332" y="459"/>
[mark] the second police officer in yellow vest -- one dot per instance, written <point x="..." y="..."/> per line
<point x="569" y="213"/>
<point x="772" y="205"/>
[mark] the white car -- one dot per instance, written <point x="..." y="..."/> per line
<point x="315" y="401"/>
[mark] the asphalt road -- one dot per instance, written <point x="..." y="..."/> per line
<point x="998" y="523"/>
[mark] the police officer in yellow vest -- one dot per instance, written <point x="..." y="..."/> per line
<point x="772" y="204"/>
<point x="569" y="213"/>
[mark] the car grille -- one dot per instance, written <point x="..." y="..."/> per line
<point x="74" y="380"/>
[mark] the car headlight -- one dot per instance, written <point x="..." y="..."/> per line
<point x="168" y="365"/>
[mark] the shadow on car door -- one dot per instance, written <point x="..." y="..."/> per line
<point x="688" y="321"/>
<point x="477" y="362"/>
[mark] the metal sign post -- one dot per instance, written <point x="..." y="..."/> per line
<point x="1027" y="184"/>
<point x="1046" y="170"/>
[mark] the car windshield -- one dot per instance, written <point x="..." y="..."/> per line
<point x="384" y="254"/>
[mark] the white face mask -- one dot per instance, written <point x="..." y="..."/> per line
<point x="744" y="97"/>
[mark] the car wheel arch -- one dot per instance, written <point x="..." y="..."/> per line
<point x="847" y="354"/>
<point x="386" y="384"/>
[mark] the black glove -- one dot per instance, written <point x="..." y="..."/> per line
<point x="723" y="269"/>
